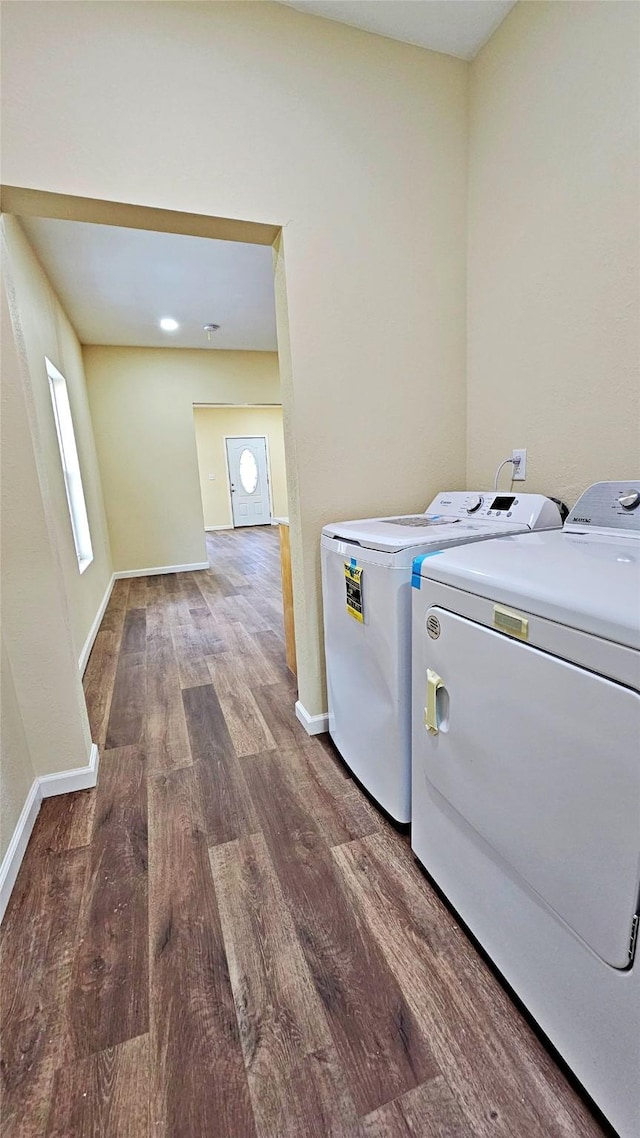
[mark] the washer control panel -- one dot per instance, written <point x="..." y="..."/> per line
<point x="530" y="511"/>
<point x="608" y="506"/>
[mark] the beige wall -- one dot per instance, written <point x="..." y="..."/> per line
<point x="16" y="769"/>
<point x="554" y="272"/>
<point x="46" y="331"/>
<point x="356" y="145"/>
<point x="44" y="718"/>
<point x="142" y="407"/>
<point x="212" y="424"/>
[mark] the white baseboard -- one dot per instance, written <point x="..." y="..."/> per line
<point x="313" y="724"/>
<point x="156" y="569"/>
<point x="82" y="778"/>
<point x="93" y="631"/>
<point x="212" y="529"/>
<point x="12" y="859"/>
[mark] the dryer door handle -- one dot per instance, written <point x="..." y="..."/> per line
<point x="434" y="683"/>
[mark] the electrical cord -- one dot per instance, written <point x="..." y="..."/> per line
<point x="515" y="462"/>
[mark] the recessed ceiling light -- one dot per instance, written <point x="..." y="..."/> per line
<point x="168" y="324"/>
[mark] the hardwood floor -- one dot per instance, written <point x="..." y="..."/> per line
<point x="225" y="939"/>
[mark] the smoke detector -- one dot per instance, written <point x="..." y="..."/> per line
<point x="210" y="329"/>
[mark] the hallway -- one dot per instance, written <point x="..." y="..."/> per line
<point x="225" y="939"/>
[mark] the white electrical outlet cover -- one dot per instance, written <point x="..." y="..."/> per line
<point x="520" y="471"/>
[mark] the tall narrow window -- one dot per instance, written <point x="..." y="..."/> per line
<point x="70" y="466"/>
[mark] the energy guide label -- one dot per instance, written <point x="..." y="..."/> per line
<point x="353" y="578"/>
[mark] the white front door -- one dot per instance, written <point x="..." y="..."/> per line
<point x="249" y="481"/>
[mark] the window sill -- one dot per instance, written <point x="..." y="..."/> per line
<point x="84" y="563"/>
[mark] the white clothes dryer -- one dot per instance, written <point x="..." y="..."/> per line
<point x="526" y="773"/>
<point x="366" y="588"/>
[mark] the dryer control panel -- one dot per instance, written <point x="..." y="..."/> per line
<point x="610" y="507"/>
<point x="532" y="511"/>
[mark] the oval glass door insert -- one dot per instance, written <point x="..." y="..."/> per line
<point x="248" y="471"/>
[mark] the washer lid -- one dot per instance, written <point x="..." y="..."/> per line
<point x="586" y="581"/>
<point x="392" y="535"/>
<point x="452" y="517"/>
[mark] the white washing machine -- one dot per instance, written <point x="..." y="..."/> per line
<point x="366" y="588"/>
<point x="526" y="773"/>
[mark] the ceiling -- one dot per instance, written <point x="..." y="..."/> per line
<point x="116" y="284"/>
<point x="454" y="27"/>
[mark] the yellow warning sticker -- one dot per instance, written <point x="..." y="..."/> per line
<point x="353" y="578"/>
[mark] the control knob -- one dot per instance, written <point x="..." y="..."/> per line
<point x="630" y="501"/>
<point x="473" y="503"/>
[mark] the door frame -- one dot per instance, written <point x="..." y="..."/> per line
<point x="226" y="458"/>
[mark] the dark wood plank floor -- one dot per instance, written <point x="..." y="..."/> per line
<point x="225" y="939"/>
